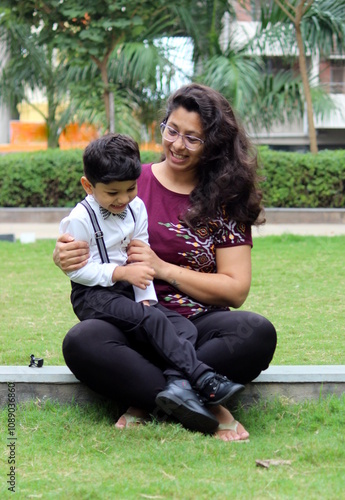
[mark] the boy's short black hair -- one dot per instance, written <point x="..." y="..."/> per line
<point x="112" y="157"/>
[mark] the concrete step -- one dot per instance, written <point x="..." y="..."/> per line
<point x="295" y="382"/>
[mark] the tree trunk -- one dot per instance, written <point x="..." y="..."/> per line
<point x="306" y="88"/>
<point x="53" y="139"/>
<point x="106" y="99"/>
<point x="111" y="112"/>
<point x="52" y="127"/>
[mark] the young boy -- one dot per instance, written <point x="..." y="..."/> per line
<point x="106" y="288"/>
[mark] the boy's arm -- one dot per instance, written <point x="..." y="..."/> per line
<point x="93" y="273"/>
<point x="141" y="233"/>
<point x="141" y="224"/>
<point x="149" y="294"/>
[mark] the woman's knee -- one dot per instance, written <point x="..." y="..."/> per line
<point x="264" y="331"/>
<point x="253" y="324"/>
<point x="78" y="333"/>
<point x="87" y="339"/>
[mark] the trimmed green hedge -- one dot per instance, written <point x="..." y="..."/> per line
<point x="52" y="178"/>
<point x="46" y="178"/>
<point x="303" y="180"/>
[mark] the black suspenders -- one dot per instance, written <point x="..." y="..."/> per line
<point x="98" y="233"/>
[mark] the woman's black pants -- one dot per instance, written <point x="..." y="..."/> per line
<point x="238" y="344"/>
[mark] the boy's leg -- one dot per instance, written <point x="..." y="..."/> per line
<point x="183" y="327"/>
<point x="144" y="324"/>
<point x="147" y="324"/>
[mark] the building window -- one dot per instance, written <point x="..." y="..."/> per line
<point x="277" y="64"/>
<point x="255" y="9"/>
<point x="337" y="83"/>
<point x="256" y="6"/>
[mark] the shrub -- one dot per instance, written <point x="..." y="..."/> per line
<point x="52" y="178"/>
<point x="46" y="178"/>
<point x="303" y="180"/>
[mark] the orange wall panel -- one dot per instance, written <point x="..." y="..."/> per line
<point x="22" y="132"/>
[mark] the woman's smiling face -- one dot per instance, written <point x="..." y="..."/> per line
<point x="177" y="155"/>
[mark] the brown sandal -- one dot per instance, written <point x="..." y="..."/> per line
<point x="232" y="426"/>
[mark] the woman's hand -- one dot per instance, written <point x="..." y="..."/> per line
<point x="138" y="251"/>
<point x="228" y="287"/>
<point x="70" y="255"/>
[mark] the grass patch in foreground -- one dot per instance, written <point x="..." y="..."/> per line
<point x="298" y="283"/>
<point x="72" y="451"/>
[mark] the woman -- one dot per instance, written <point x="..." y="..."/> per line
<point x="202" y="200"/>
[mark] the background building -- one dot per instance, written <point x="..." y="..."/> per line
<point x="328" y="71"/>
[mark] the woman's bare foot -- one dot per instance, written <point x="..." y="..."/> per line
<point x="132" y="418"/>
<point x="229" y="429"/>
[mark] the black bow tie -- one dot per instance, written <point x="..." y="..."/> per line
<point x="105" y="213"/>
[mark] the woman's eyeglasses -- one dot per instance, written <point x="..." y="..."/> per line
<point x="171" y="135"/>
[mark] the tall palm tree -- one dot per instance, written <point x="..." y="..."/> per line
<point x="137" y="77"/>
<point x="319" y="27"/>
<point x="235" y="68"/>
<point x="33" y="67"/>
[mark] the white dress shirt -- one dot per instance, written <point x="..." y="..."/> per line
<point x="117" y="234"/>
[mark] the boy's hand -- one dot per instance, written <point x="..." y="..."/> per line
<point x="139" y="275"/>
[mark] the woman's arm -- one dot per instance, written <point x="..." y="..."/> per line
<point x="228" y="287"/>
<point x="70" y="255"/>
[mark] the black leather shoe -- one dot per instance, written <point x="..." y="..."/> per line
<point x="216" y="389"/>
<point x="180" y="401"/>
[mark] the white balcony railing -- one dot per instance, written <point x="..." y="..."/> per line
<point x="336" y="120"/>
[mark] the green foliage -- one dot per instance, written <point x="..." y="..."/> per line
<point x="303" y="179"/>
<point x="115" y="41"/>
<point x="32" y="65"/>
<point x="46" y="178"/>
<point x="52" y="178"/>
<point x="322" y="24"/>
<point x="43" y="179"/>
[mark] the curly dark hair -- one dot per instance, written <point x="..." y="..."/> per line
<point x="228" y="177"/>
<point x="112" y="157"/>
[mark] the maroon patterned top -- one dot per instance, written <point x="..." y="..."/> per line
<point x="175" y="243"/>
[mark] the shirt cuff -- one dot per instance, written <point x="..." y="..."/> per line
<point x="148" y="294"/>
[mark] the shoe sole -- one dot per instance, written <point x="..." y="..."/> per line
<point x="189" y="418"/>
<point x="225" y="398"/>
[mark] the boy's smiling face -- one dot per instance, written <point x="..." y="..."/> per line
<point x="113" y="196"/>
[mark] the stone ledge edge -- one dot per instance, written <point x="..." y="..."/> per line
<point x="273" y="215"/>
<point x="274" y="374"/>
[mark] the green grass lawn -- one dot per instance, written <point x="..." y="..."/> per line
<point x="67" y="451"/>
<point x="75" y="452"/>
<point x="298" y="283"/>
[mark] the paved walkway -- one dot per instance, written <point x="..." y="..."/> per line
<point x="31" y="231"/>
<point x="302" y="229"/>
